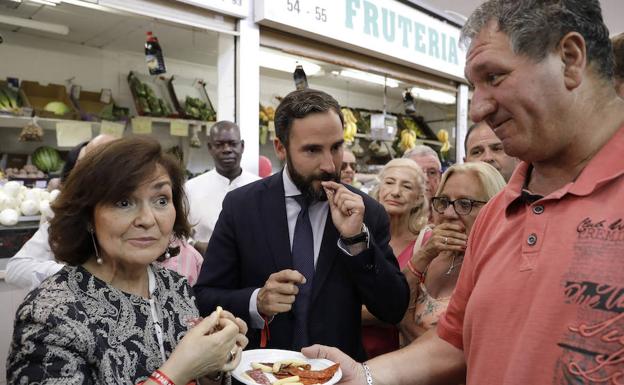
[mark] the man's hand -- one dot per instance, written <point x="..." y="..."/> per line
<point x="279" y="292"/>
<point x="347" y="209"/>
<point x="352" y="372"/>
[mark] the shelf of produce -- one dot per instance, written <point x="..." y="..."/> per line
<point x="425" y="141"/>
<point x="50" y="124"/>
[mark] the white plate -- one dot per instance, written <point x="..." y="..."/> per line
<point x="272" y="355"/>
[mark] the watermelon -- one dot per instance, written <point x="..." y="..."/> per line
<point x="47" y="159"/>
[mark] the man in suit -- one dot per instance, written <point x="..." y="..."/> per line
<point x="256" y="264"/>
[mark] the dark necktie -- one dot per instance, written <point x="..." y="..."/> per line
<point x="303" y="262"/>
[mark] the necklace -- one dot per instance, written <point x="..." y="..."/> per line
<point x="453" y="265"/>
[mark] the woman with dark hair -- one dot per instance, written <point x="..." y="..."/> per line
<point x="112" y="316"/>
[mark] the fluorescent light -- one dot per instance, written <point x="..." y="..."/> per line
<point x="371" y="78"/>
<point x="47" y="2"/>
<point x="32" y="24"/>
<point x="435" y="96"/>
<point x="285" y="63"/>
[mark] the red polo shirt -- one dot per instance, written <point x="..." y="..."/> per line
<point x="540" y="298"/>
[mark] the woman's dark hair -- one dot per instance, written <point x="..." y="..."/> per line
<point x="106" y="175"/>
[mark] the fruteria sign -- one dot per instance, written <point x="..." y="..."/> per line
<point x="383" y="28"/>
<point x="237" y="8"/>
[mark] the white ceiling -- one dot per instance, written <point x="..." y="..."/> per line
<point x="114" y="31"/>
<point x="610" y="10"/>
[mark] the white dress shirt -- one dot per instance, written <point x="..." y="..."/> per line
<point x="34" y="262"/>
<point x="318" y="216"/>
<point x="205" y="195"/>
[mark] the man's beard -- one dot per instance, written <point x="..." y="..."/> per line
<point x="304" y="183"/>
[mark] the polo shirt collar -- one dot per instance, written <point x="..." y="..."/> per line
<point x="605" y="166"/>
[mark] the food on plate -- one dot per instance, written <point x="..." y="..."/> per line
<point x="258" y="377"/>
<point x="290" y="372"/>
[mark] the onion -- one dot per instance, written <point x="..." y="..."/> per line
<point x="8" y="217"/>
<point x="29" y="207"/>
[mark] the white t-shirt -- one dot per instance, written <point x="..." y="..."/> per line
<point x="205" y="194"/>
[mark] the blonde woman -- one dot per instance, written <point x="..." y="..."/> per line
<point x="433" y="269"/>
<point x="401" y="191"/>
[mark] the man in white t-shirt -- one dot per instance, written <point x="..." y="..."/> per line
<point x="206" y="192"/>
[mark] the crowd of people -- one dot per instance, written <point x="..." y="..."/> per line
<point x="505" y="269"/>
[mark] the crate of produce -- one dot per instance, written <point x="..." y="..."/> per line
<point x="151" y="95"/>
<point x="97" y="106"/>
<point x="49" y="101"/>
<point x="191" y="99"/>
<point x="11" y="101"/>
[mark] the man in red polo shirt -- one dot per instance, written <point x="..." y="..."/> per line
<point x="540" y="297"/>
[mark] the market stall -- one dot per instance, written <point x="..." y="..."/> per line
<point x="397" y="71"/>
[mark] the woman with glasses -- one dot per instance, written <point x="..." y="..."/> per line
<point x="433" y="270"/>
<point x="401" y="191"/>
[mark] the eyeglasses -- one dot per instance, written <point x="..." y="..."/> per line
<point x="432" y="173"/>
<point x="462" y="206"/>
<point x="220" y="144"/>
<point x="344" y="166"/>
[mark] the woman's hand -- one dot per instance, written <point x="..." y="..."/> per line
<point x="445" y="237"/>
<point x="214" y="345"/>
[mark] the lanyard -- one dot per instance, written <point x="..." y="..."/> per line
<point x="155" y="308"/>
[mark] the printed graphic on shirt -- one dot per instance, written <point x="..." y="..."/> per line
<point x="593" y="344"/>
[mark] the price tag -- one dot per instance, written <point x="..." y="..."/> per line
<point x="106" y="95"/>
<point x="70" y="134"/>
<point x="41" y="183"/>
<point x="142" y="125"/>
<point x="112" y="128"/>
<point x="179" y="128"/>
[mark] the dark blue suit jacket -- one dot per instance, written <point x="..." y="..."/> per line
<point x="251" y="241"/>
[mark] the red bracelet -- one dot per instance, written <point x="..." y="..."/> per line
<point x="160" y="378"/>
<point x="418" y="274"/>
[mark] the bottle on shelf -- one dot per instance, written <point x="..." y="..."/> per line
<point x="154" y="55"/>
<point x="301" y="80"/>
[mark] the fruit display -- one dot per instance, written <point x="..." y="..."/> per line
<point x="28" y="171"/>
<point x="47" y="159"/>
<point x="9" y="100"/>
<point x="266" y="115"/>
<point x="350" y="125"/>
<point x="198" y="109"/>
<point x="17" y="200"/>
<point x="408" y="140"/>
<point x="146" y="100"/>
<point x="57" y="108"/>
<point x="49" y="101"/>
<point x="443" y="137"/>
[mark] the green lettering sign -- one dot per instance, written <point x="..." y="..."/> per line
<point x="388" y="24"/>
<point x="406" y="25"/>
<point x="419" y="32"/>
<point x="370" y="19"/>
<point x="434" y="50"/>
<point x="350" y="12"/>
<point x="452" y="56"/>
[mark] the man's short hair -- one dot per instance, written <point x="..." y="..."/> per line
<point x="618" y="53"/>
<point x="299" y="104"/>
<point x="223" y="125"/>
<point x="470" y="129"/>
<point x="535" y="27"/>
<point x="422" y="150"/>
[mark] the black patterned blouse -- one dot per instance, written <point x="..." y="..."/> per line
<point x="76" y="329"/>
